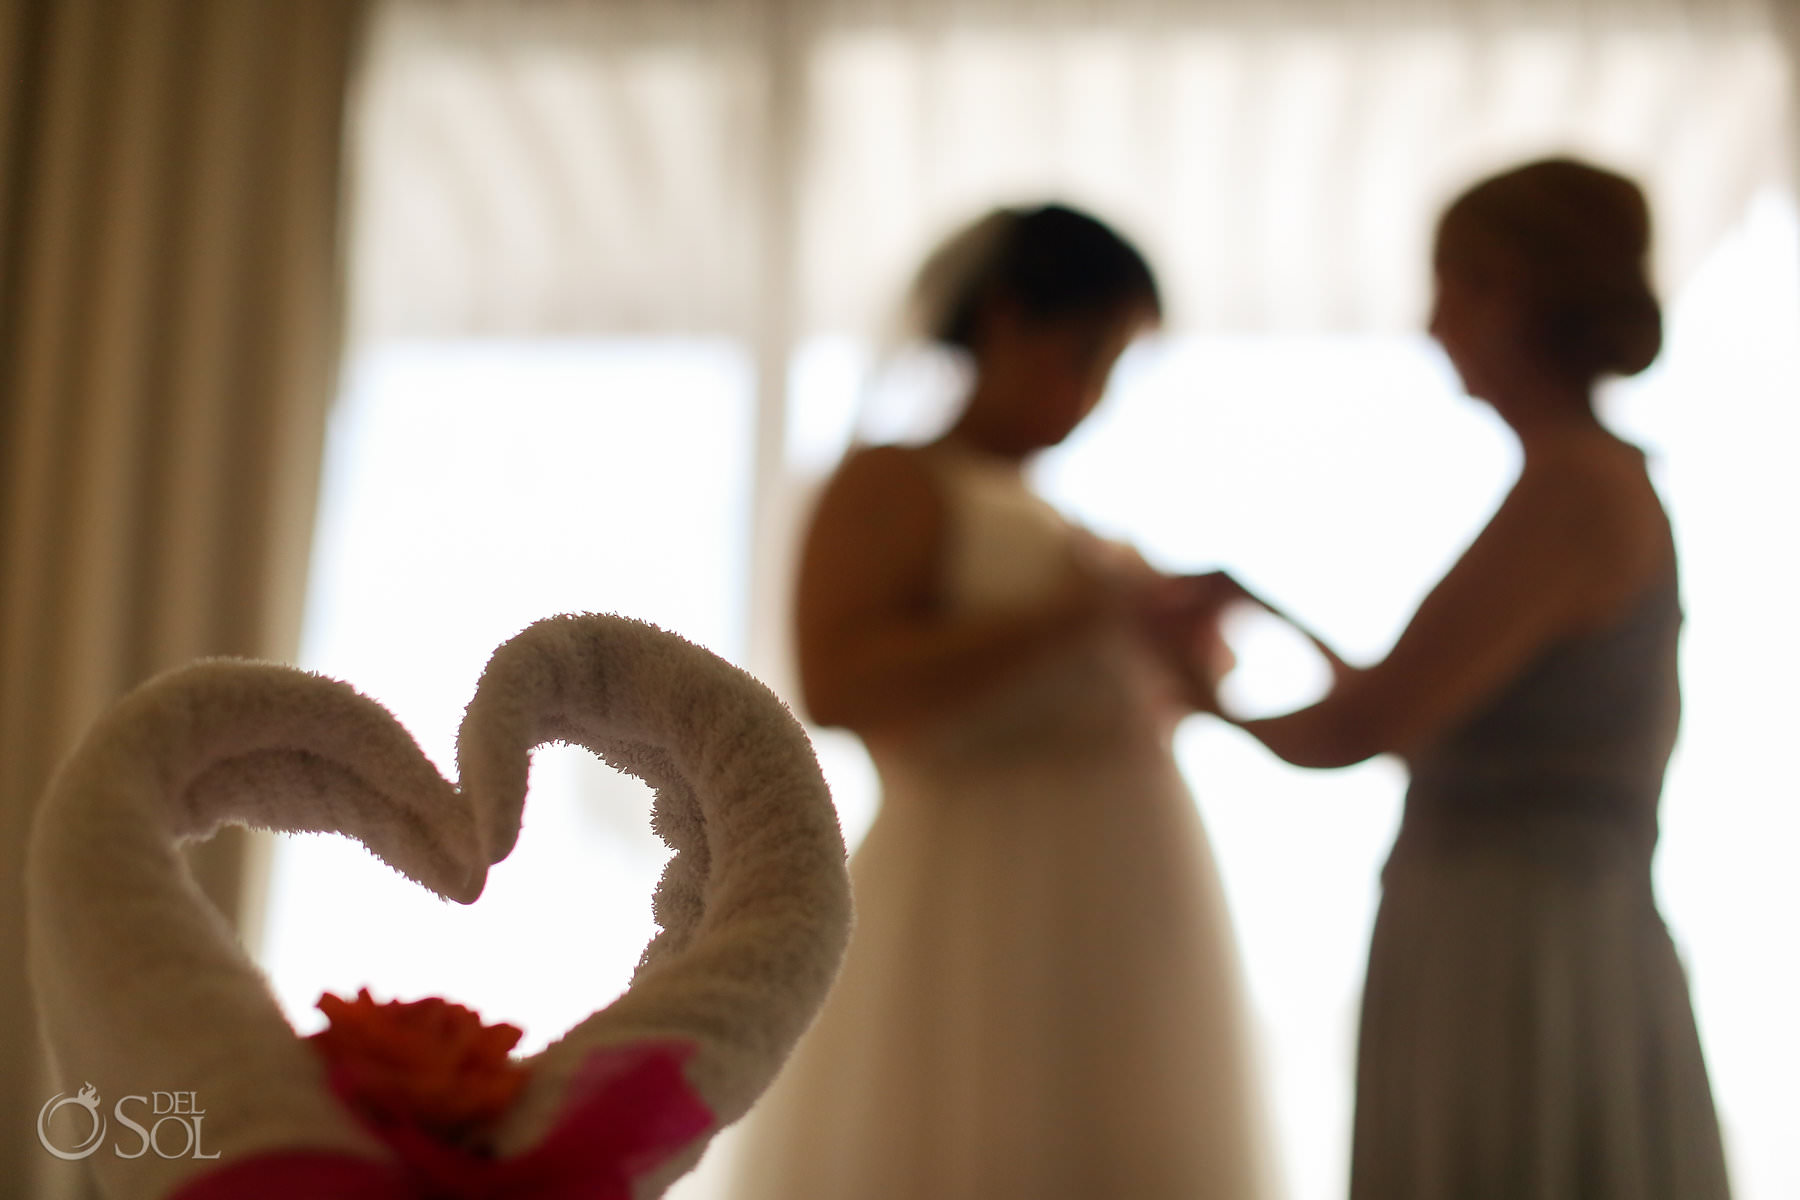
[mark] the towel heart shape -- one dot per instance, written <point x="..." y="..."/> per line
<point x="141" y="986"/>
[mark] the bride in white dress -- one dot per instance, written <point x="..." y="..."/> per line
<point x="1042" y="996"/>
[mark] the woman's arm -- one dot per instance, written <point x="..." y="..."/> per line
<point x="875" y="647"/>
<point x="1566" y="548"/>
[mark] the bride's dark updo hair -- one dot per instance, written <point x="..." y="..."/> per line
<point x="1574" y="237"/>
<point x="1050" y="261"/>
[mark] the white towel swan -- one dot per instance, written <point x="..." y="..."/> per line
<point x="141" y="985"/>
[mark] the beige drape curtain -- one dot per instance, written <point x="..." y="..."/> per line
<point x="169" y="319"/>
<point x="1787" y="26"/>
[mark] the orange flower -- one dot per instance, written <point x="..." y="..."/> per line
<point x="426" y="1063"/>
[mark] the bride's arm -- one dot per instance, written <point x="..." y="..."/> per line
<point x="875" y="647"/>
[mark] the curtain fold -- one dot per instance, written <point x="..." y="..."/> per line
<point x="559" y="168"/>
<point x="1786" y="22"/>
<point x="1286" y="178"/>
<point x="552" y="169"/>
<point x="169" y="326"/>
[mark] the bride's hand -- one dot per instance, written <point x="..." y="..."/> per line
<point x="1181" y="617"/>
<point x="1189" y="607"/>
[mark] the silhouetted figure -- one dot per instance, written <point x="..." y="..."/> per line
<point x="1526" y="1032"/>
<point x="1042" y="998"/>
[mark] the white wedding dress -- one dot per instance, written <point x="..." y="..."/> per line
<point x="1042" y="997"/>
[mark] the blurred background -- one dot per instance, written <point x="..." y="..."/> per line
<point x="362" y="334"/>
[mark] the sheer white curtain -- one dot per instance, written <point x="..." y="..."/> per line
<point x="558" y="167"/>
<point x="772" y="169"/>
<point x="765" y="174"/>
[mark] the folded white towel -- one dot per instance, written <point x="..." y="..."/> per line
<point x="142" y="986"/>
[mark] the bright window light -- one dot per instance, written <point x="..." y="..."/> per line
<point x="470" y="489"/>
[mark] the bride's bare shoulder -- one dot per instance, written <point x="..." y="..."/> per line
<point x="880" y="501"/>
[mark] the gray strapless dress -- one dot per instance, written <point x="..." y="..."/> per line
<point x="1526" y="1030"/>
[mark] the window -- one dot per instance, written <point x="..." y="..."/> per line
<point x="471" y="488"/>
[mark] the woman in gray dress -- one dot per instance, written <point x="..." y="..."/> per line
<point x="1526" y="1030"/>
